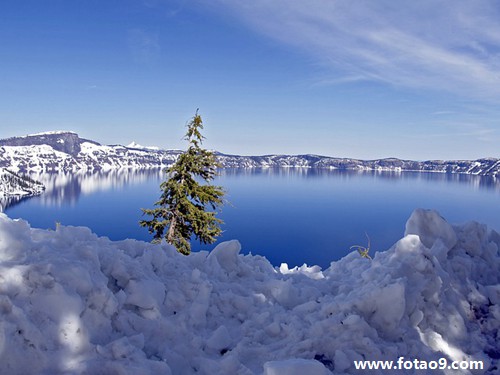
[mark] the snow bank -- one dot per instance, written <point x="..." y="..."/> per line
<point x="75" y="303"/>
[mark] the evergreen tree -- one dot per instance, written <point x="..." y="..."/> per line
<point x="184" y="206"/>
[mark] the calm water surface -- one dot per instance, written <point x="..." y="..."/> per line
<point x="288" y="215"/>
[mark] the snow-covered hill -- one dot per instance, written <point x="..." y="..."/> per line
<point x="74" y="303"/>
<point x="141" y="147"/>
<point x="66" y="151"/>
<point x="483" y="167"/>
<point x="15" y="185"/>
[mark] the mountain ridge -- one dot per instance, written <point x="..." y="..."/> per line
<point x="64" y="151"/>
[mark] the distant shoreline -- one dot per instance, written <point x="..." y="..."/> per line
<point x="66" y="152"/>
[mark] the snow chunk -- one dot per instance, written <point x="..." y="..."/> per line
<point x="313" y="272"/>
<point x="219" y="340"/>
<point x="145" y="293"/>
<point x="375" y="304"/>
<point x="430" y="226"/>
<point x="14" y="239"/>
<point x="134" y="144"/>
<point x="225" y="255"/>
<point x="75" y="303"/>
<point x="296" y="366"/>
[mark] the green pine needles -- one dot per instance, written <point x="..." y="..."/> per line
<point x="187" y="207"/>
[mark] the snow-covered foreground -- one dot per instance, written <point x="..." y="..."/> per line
<point x="71" y="303"/>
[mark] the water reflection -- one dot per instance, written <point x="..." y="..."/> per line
<point x="474" y="182"/>
<point x="294" y="215"/>
<point x="7" y="202"/>
<point x="66" y="188"/>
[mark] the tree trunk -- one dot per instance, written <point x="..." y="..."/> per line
<point x="171" y="230"/>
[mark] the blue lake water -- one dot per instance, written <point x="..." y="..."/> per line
<point x="288" y="215"/>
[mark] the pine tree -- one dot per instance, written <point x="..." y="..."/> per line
<point x="186" y="207"/>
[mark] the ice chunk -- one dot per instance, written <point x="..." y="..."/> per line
<point x="474" y="236"/>
<point x="14" y="240"/>
<point x="430" y="226"/>
<point x="226" y="255"/>
<point x="147" y="294"/>
<point x="219" y="340"/>
<point x="384" y="308"/>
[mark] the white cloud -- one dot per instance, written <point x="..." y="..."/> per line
<point x="443" y="45"/>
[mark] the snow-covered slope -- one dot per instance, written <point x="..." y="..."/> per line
<point x="66" y="151"/>
<point x="484" y="167"/>
<point x="139" y="146"/>
<point x="12" y="184"/>
<point x="74" y="303"/>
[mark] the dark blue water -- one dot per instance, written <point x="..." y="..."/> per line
<point x="288" y="215"/>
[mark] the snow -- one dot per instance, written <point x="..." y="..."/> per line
<point x="52" y="132"/>
<point x="33" y="158"/>
<point x="12" y="185"/>
<point x="296" y="366"/>
<point x="5" y="189"/>
<point x="76" y="303"/>
<point x="137" y="145"/>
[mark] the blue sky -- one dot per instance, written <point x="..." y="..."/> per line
<point x="365" y="79"/>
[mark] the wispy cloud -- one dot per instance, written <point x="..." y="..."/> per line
<point x="472" y="130"/>
<point x="144" y="46"/>
<point x="443" y="113"/>
<point x="170" y="8"/>
<point x="429" y="44"/>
